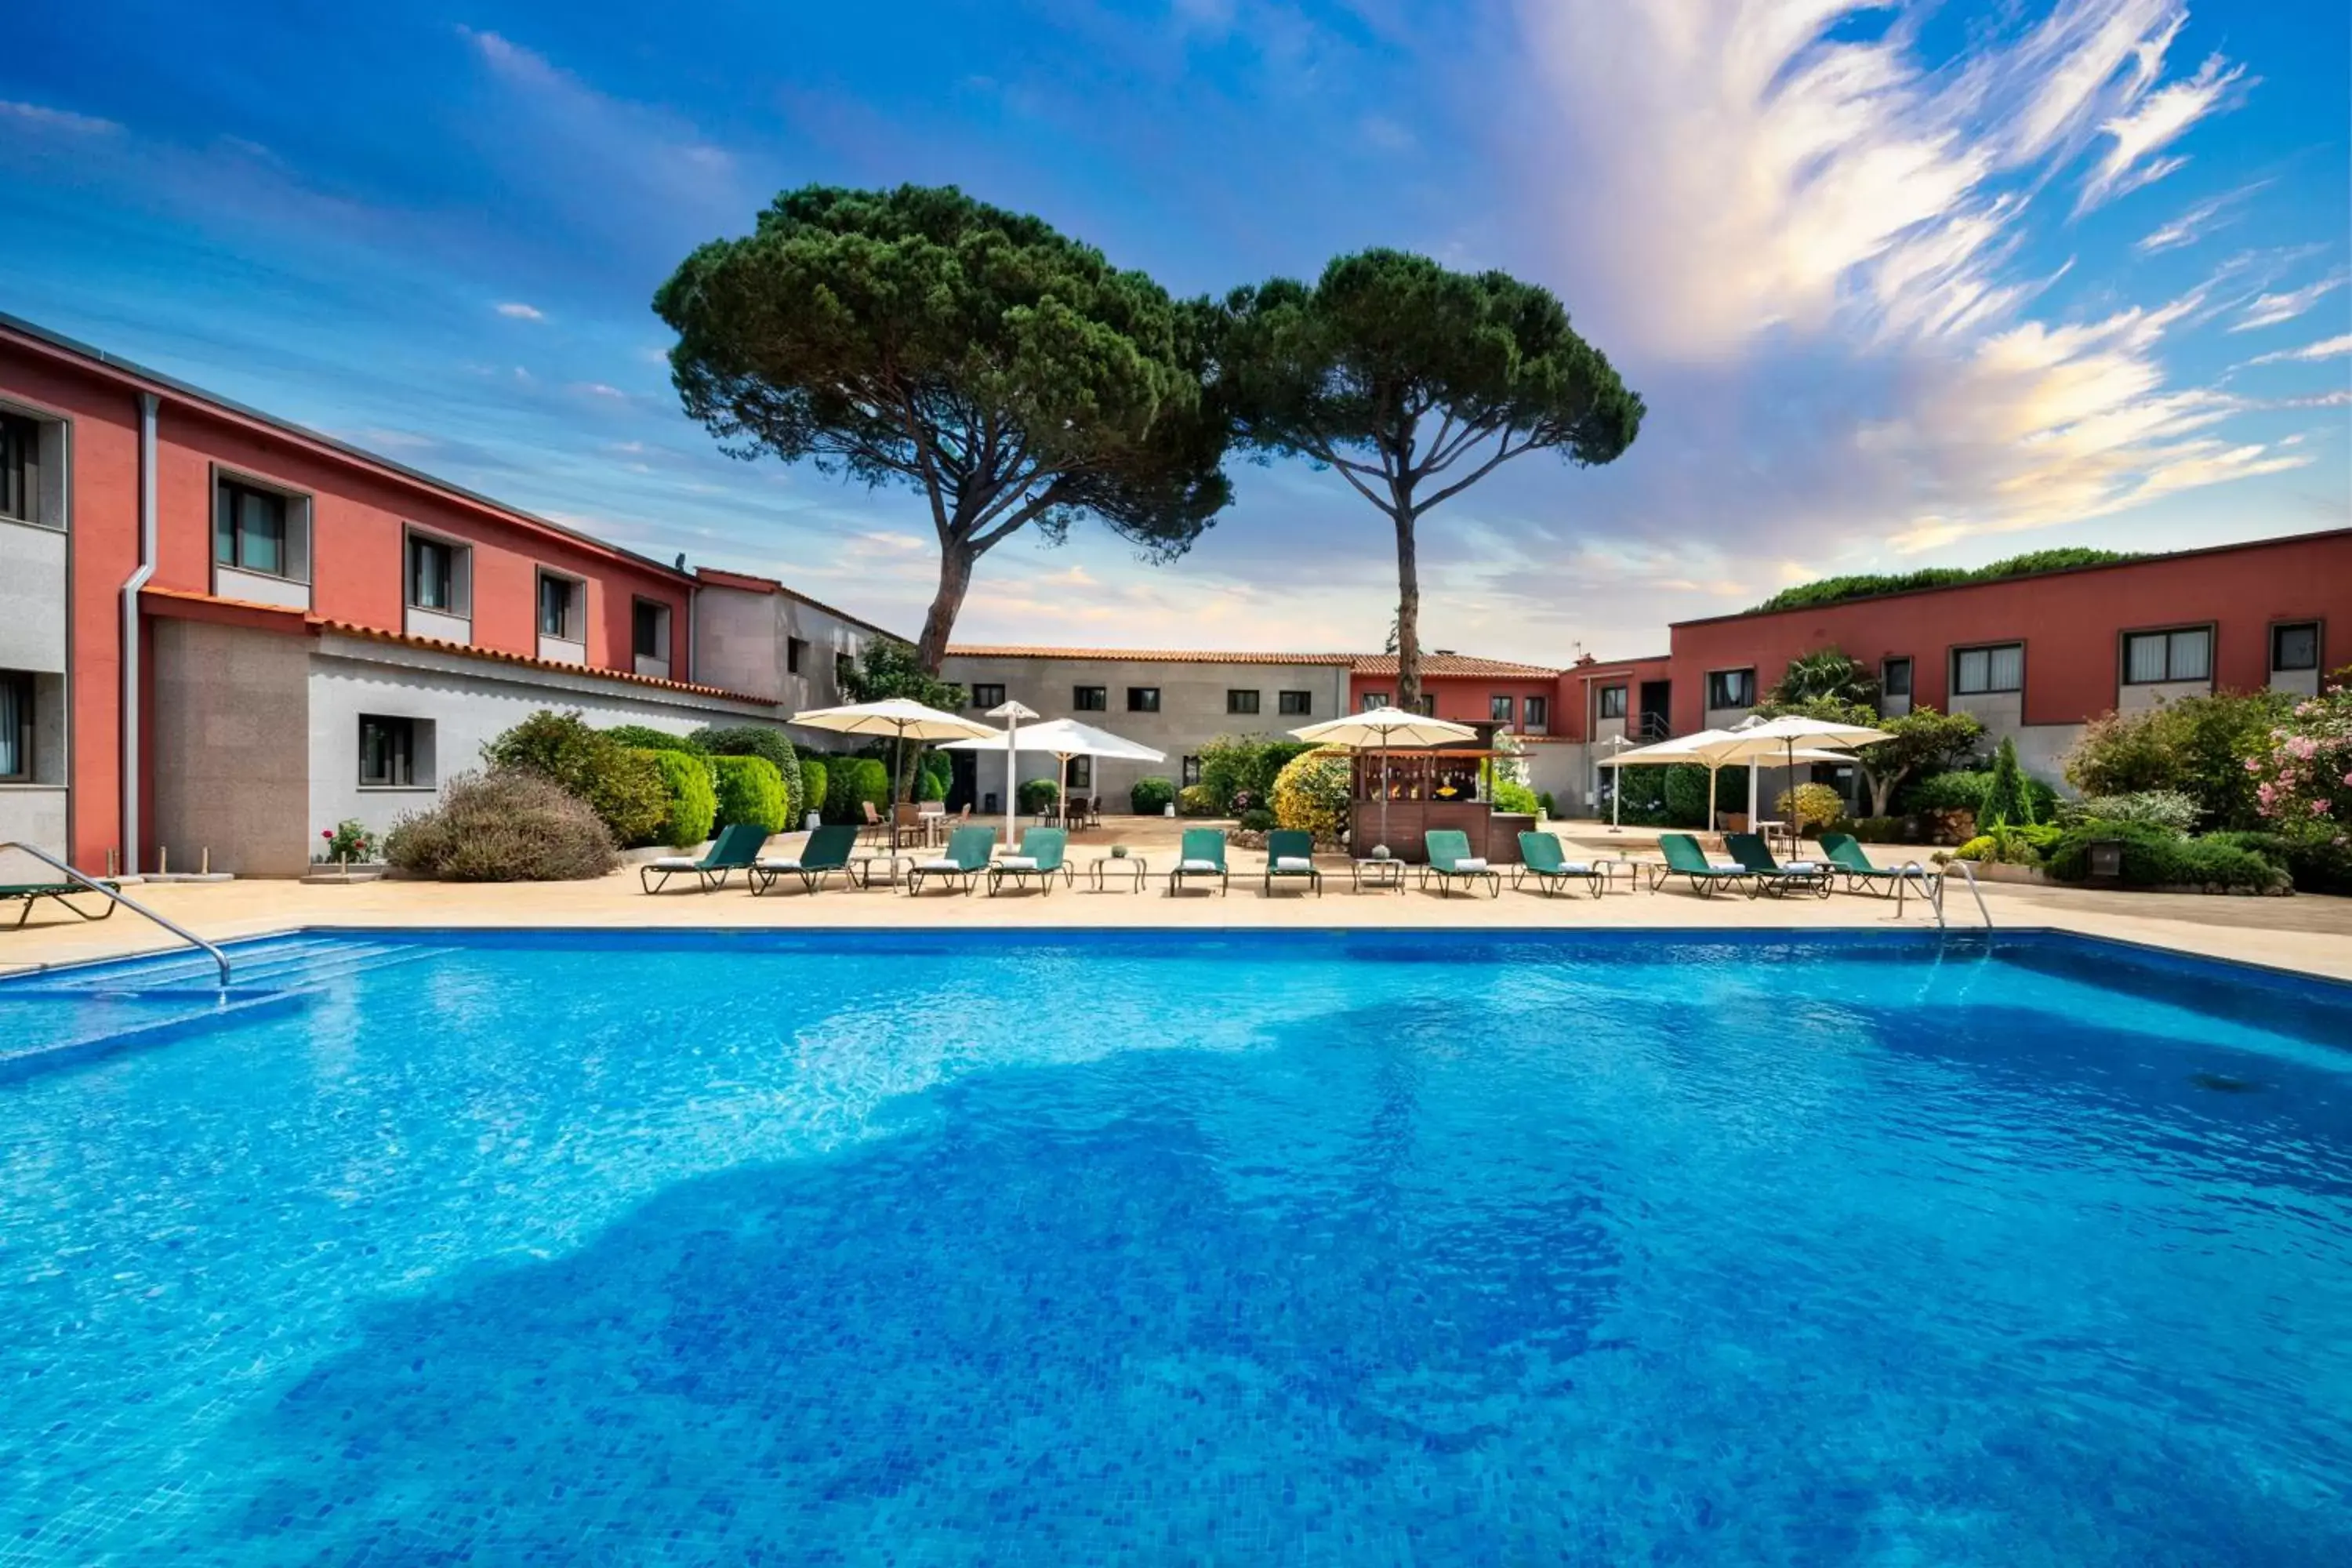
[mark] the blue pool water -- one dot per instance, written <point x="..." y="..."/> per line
<point x="1066" y="1248"/>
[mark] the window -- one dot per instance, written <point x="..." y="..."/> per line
<point x="249" y="529"/>
<point x="1978" y="670"/>
<point x="845" y="671"/>
<point x="555" y="608"/>
<point x="2295" y="646"/>
<point x="1731" y="689"/>
<point x="1500" y="709"/>
<point x="796" y="649"/>
<point x="2151" y="657"/>
<point x="1240" y="701"/>
<point x="16" y="726"/>
<point x="387" y="752"/>
<point x="987" y="696"/>
<point x="1895" y="678"/>
<point x="1375" y="699"/>
<point x="649" y="628"/>
<point x="1613" y="702"/>
<point x="1538" y="714"/>
<point x="1143" y="700"/>
<point x="1090" y="698"/>
<point x="1294" y="704"/>
<point x="1082" y="773"/>
<point x="1427" y="706"/>
<point x="1191" y="771"/>
<point x="431" y="573"/>
<point x="20" y="468"/>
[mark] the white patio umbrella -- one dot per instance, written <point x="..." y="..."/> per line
<point x="1012" y="712"/>
<point x="1792" y="731"/>
<point x="1061" y="739"/>
<point x="1714" y="750"/>
<point x="1378" y="729"/>
<point x="902" y="718"/>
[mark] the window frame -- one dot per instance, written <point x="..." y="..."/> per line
<point x="1502" y="707"/>
<point x="1535" y="714"/>
<point x="1143" y="700"/>
<point x="1243" y="702"/>
<point x="1427" y="707"/>
<point x="1988" y="650"/>
<point x="1910" y="676"/>
<point x="575" y="604"/>
<point x="401" y="759"/>
<point x="795" y="651"/>
<point x="2318" y="629"/>
<point x="228" y="483"/>
<point x="1089" y="699"/>
<point x="1747" y="674"/>
<point x="1372" y="700"/>
<point x="1188" y="772"/>
<point x="1082" y="773"/>
<point x="639" y="605"/>
<point x="28" y="727"/>
<point x="986" y="694"/>
<point x="2123" y="654"/>
<point x="27" y="464"/>
<point x="413" y="538"/>
<point x="1294" y="704"/>
<point x="1624" y="693"/>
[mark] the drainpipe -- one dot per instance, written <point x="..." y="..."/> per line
<point x="130" y="586"/>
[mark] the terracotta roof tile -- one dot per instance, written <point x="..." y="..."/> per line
<point x="1144" y="655"/>
<point x="1454" y="664"/>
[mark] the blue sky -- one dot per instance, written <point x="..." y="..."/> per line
<point x="1902" y="286"/>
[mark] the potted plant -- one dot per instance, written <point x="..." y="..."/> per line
<point x="1118" y="851"/>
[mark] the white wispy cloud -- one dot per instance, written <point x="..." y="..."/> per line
<point x="2270" y="310"/>
<point x="2155" y="124"/>
<point x="520" y="311"/>
<point x="2325" y="348"/>
<point x="41" y="117"/>
<point x="2204" y="218"/>
<point x="599" y="389"/>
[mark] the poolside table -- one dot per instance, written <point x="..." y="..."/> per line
<point x="1103" y="864"/>
<point x="862" y="867"/>
<point x="1377" y="874"/>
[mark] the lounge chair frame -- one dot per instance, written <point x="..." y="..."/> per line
<point x="1201" y="837"/>
<point x="1445" y="870"/>
<point x="952" y="865"/>
<point x="736" y="848"/>
<point x="62" y="894"/>
<point x="1684" y="857"/>
<point x="1283" y="843"/>
<point x="1751" y="850"/>
<point x="1551" y="879"/>
<point x="1875" y="881"/>
<point x="1059" y="838"/>
<point x="812" y="866"/>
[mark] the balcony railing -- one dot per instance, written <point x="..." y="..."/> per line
<point x="1649" y="727"/>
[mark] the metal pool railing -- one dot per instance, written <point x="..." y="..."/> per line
<point x="134" y="905"/>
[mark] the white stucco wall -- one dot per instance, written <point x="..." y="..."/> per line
<point x="742" y="643"/>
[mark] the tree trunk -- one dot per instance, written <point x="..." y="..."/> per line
<point x="955" y="581"/>
<point x="1882" y="789"/>
<point x="1408" y="621"/>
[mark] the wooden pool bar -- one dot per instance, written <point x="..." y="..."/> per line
<point x="1430" y="790"/>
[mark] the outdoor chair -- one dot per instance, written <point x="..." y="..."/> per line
<point x="1540" y="857"/>
<point x="967" y="857"/>
<point x="1450" y="861"/>
<point x="1290" y="853"/>
<point x="1042" y="855"/>
<point x="873" y="830"/>
<point x="1201" y="853"/>
<point x="1849" y="860"/>
<point x="827" y="851"/>
<point x="1684" y="859"/>
<point x="1798" y="876"/>
<point x="735" y="849"/>
<point x="60" y="893"/>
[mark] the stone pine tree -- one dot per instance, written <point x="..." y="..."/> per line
<point x="1414" y="382"/>
<point x="1007" y="372"/>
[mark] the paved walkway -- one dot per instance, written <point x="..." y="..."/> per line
<point x="2306" y="933"/>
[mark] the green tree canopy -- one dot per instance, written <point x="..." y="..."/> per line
<point x="1004" y="370"/>
<point x="1825" y="672"/>
<point x="1869" y="585"/>
<point x="887" y="667"/>
<point x="1415" y="382"/>
<point x="1924" y="741"/>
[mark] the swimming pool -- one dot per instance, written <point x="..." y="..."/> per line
<point x="1267" y="1247"/>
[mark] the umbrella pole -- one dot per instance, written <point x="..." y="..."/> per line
<point x="1384" y="790"/>
<point x="1012" y="782"/>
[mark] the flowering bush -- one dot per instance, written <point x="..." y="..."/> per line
<point x="1810" y="805"/>
<point x="1311" y="795"/>
<point x="348" y="840"/>
<point x="2303" y="777"/>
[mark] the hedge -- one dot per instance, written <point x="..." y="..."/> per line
<point x="760" y="740"/>
<point x="815" y="782"/>
<point x="693" y="798"/>
<point x="1036" y="795"/>
<point x="621" y="785"/>
<point x="852" y="784"/>
<point x="646" y="738"/>
<point x="2159" y="858"/>
<point x="749" y="791"/>
<point x="1152" y="795"/>
<point x="510" y="825"/>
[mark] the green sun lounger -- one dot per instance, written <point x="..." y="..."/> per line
<point x="1686" y="858"/>
<point x="735" y="849"/>
<point x="1798" y="876"/>
<point x="1450" y="861"/>
<point x="1042" y="856"/>
<point x="1540" y="857"/>
<point x="1202" y="853"/>
<point x="60" y="893"/>
<point x="1850" y="860"/>
<point x="967" y="857"/>
<point x="827" y="851"/>
<point x="1290" y="855"/>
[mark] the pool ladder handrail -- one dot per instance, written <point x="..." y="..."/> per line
<point x="1934" y="889"/>
<point x="134" y="905"/>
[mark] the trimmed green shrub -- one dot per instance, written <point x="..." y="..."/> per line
<point x="1642" y="797"/>
<point x="2159" y="858"/>
<point x="1195" y="800"/>
<point x="749" y="789"/>
<point x="646" y="738"/>
<point x="1683" y="795"/>
<point x="2157" y="808"/>
<point x="2197" y="745"/>
<point x="2007" y="802"/>
<point x="1232" y="766"/>
<point x="813" y="784"/>
<point x="2315" y="863"/>
<point x="1871" y="829"/>
<point x="693" y="798"/>
<point x="1544" y="805"/>
<point x="1257" y="819"/>
<point x="853" y="784"/>
<point x="1152" y="795"/>
<point x="1036" y="795"/>
<point x="760" y="740"/>
<point x="2009" y="846"/>
<point x="1810" y="806"/>
<point x="1509" y="795"/>
<point x="1310" y="795"/>
<point x="936" y="775"/>
<point x="1963" y="789"/>
<point x="621" y="785"/>
<point x="510" y="825"/>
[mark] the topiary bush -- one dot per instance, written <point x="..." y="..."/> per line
<point x="1544" y="805"/>
<point x="1152" y="795"/>
<point x="646" y="738"/>
<point x="1310" y="795"/>
<point x="1196" y="800"/>
<point x="510" y="825"/>
<point x="1511" y="797"/>
<point x="2007" y="802"/>
<point x="814" y="782"/>
<point x="852" y="784"/>
<point x="1811" y="806"/>
<point x="2156" y="856"/>
<point x="749" y="789"/>
<point x="760" y="740"/>
<point x="621" y="785"/>
<point x="936" y="776"/>
<point x="1036" y="795"/>
<point x="693" y="798"/>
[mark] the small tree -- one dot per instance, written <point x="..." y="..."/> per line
<point x="916" y="336"/>
<point x="1415" y="383"/>
<point x="1825" y="673"/>
<point x="2006" y="803"/>
<point x="1925" y="741"/>
<point x="886" y="669"/>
